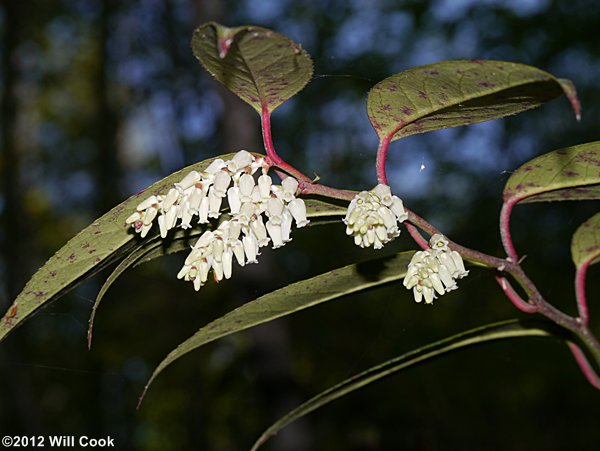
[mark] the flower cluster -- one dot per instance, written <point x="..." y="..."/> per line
<point x="372" y="217"/>
<point x="434" y="271"/>
<point x="244" y="233"/>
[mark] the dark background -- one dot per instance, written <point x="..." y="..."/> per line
<point x="101" y="98"/>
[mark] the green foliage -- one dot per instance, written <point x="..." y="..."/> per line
<point x="498" y="331"/>
<point x="261" y="67"/>
<point x="565" y="174"/>
<point x="293" y="298"/>
<point x="585" y="245"/>
<point x="265" y="69"/>
<point x="103" y="242"/>
<point x="455" y="93"/>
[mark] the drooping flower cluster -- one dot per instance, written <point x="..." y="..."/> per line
<point x="244" y="233"/>
<point x="434" y="270"/>
<point x="373" y="216"/>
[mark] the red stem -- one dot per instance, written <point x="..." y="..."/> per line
<point x="265" y="122"/>
<point x="509" y="247"/>
<point x="510" y="265"/>
<point x="580" y="277"/>
<point x="416" y="235"/>
<point x="514" y="297"/>
<point x="584" y="364"/>
<point x="382" y="150"/>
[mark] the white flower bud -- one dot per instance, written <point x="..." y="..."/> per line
<point x="188" y="181"/>
<point x="171" y="197"/>
<point x="203" y="210"/>
<point x="221" y="183"/>
<point x="134" y="217"/>
<point x="372" y="217"/>
<point x="290" y="186"/>
<point x="298" y="210"/>
<point x="233" y="199"/>
<point x="150" y="202"/>
<point x="286" y="226"/>
<point x="434" y="270"/>
<point x="275" y="234"/>
<point x="246" y="185"/>
<point x="214" y="204"/>
<point x="250" y="248"/>
<point x="264" y="186"/>
<point x="195" y="199"/>
<point x="241" y="160"/>
<point x="215" y="166"/>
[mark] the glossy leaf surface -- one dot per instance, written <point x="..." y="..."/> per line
<point x="585" y="245"/>
<point x="454" y="93"/>
<point x="572" y="173"/>
<point x="260" y="66"/>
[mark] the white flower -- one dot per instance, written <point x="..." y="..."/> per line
<point x="434" y="270"/>
<point x="229" y="187"/>
<point x="373" y="216"/>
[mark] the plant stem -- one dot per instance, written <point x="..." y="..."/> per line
<point x="505" y="235"/>
<point x="382" y="150"/>
<point x="265" y="123"/>
<point x="416" y="235"/>
<point x="580" y="277"/>
<point x="514" y="297"/>
<point x="510" y="265"/>
<point x="585" y="366"/>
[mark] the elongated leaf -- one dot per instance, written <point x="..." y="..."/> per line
<point x="260" y="66"/>
<point x="585" y="245"/>
<point x="572" y="173"/>
<point x="92" y="249"/>
<point x="497" y="331"/>
<point x="455" y="93"/>
<point x="293" y="298"/>
<point x="316" y="209"/>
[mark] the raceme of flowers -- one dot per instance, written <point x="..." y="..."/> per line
<point x="434" y="270"/>
<point x="373" y="216"/>
<point x="241" y="236"/>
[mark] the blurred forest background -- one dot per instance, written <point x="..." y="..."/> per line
<point x="101" y="98"/>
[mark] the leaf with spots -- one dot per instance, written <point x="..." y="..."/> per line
<point x="260" y="66"/>
<point x="572" y="173"/>
<point x="318" y="210"/>
<point x="585" y="245"/>
<point x="454" y="93"/>
<point x="102" y="243"/>
<point x="293" y="298"/>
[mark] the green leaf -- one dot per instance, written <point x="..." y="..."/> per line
<point x="454" y="93"/>
<point x="317" y="210"/>
<point x="103" y="242"/>
<point x="293" y="298"/>
<point x="497" y="331"/>
<point x="260" y="66"/>
<point x="572" y="173"/>
<point x="585" y="245"/>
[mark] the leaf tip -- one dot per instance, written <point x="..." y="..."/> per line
<point x="570" y="92"/>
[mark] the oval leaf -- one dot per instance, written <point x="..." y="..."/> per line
<point x="260" y="66"/>
<point x="103" y="242"/>
<point x="293" y="298"/>
<point x="454" y="93"/>
<point x="585" y="245"/>
<point x="572" y="173"/>
<point x="497" y="331"/>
